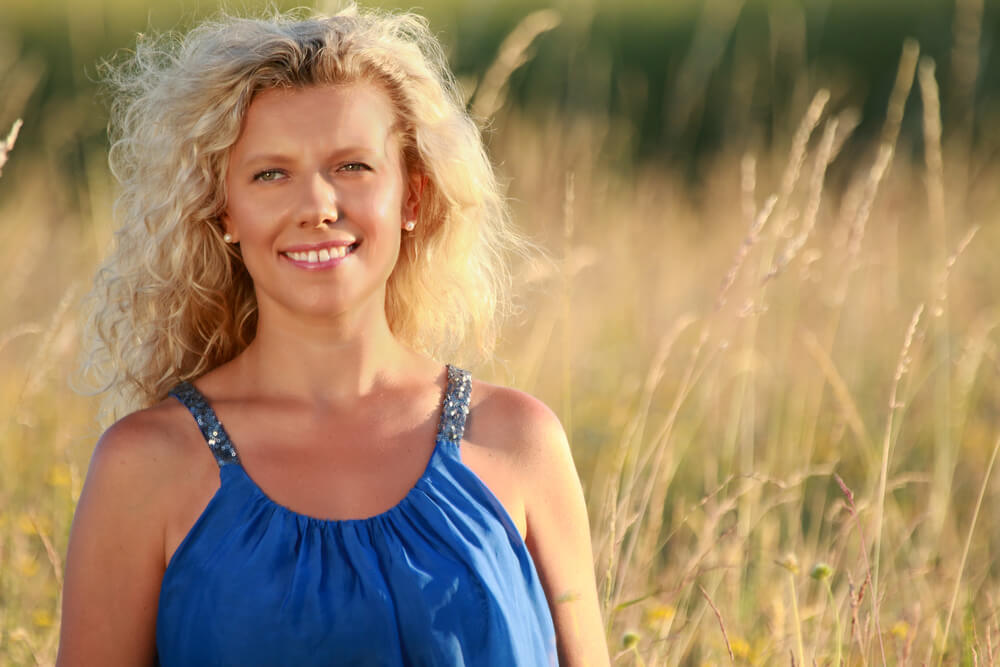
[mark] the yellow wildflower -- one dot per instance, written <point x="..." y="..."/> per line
<point x="27" y="567"/>
<point x="741" y="648"/>
<point x="59" y="475"/>
<point x="657" y="614"/>
<point x="42" y="618"/>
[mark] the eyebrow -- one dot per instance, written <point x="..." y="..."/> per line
<point x="272" y="158"/>
<point x="264" y="157"/>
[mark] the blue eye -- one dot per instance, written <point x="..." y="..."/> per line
<point x="355" y="166"/>
<point x="268" y="175"/>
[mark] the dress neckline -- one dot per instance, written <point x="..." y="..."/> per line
<point x="451" y="427"/>
<point x="355" y="522"/>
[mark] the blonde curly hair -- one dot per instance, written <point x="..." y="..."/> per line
<point x="173" y="301"/>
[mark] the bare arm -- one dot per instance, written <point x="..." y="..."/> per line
<point x="559" y="536"/>
<point x="114" y="563"/>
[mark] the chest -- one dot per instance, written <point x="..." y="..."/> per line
<point x="335" y="472"/>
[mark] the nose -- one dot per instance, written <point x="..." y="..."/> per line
<point x="319" y="206"/>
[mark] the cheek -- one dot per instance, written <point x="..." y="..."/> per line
<point x="384" y="205"/>
<point x="386" y="202"/>
<point x="248" y="216"/>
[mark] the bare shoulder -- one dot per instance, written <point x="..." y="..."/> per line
<point x="514" y="421"/>
<point x="152" y="430"/>
<point x="524" y="432"/>
<point x="144" y="447"/>
<point x="114" y="561"/>
<point x="135" y="472"/>
<point x="152" y="464"/>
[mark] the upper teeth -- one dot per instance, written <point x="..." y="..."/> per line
<point x="323" y="255"/>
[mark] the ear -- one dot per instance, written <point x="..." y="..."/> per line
<point x="228" y="227"/>
<point x="416" y="181"/>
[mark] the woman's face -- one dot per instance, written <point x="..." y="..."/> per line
<point x="317" y="197"/>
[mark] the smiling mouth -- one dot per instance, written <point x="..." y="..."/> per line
<point x="322" y="255"/>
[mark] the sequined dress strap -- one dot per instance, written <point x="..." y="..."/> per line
<point x="456" y="405"/>
<point x="215" y="435"/>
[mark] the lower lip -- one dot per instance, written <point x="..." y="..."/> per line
<point x="317" y="266"/>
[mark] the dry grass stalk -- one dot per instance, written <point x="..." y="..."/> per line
<point x="881" y="165"/>
<point x="847" y="121"/>
<point x="722" y="625"/>
<point x="791" y="565"/>
<point x="756" y="226"/>
<point x="797" y="156"/>
<point x="932" y="149"/>
<point x="900" y="91"/>
<point x="823" y="157"/>
<point x="965" y="372"/>
<point x="990" y="629"/>
<point x="44" y="360"/>
<point x="619" y="512"/>
<point x="653" y="499"/>
<point x="569" y="198"/>
<point x="7" y="145"/>
<point x="748" y="188"/>
<point x="746" y="398"/>
<point x="645" y="514"/>
<point x="855" y="212"/>
<point x="18" y="331"/>
<point x="945" y="445"/>
<point x="800" y="140"/>
<point x="635" y="429"/>
<point x="967" y="35"/>
<point x="50" y="551"/>
<point x="976" y="349"/>
<point x="895" y="406"/>
<point x="22" y="635"/>
<point x="942" y="284"/>
<point x="965" y="549"/>
<point x="856" y="601"/>
<point x="841" y="391"/>
<point x="859" y="212"/>
<point x="490" y="95"/>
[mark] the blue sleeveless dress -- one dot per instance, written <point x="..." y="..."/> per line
<point x="442" y="578"/>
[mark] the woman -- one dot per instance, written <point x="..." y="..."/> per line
<point x="308" y="221"/>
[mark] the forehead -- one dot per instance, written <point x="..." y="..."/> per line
<point x="325" y="116"/>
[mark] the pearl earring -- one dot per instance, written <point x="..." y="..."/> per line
<point x="227" y="237"/>
<point x="409" y="225"/>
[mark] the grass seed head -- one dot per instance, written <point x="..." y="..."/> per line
<point x="820" y="571"/>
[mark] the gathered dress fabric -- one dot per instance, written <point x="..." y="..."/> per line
<point x="442" y="578"/>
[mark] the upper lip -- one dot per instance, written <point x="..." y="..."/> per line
<point x="306" y="247"/>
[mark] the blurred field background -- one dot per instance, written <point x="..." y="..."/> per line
<point x="769" y="322"/>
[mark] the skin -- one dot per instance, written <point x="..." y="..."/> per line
<point x="313" y="165"/>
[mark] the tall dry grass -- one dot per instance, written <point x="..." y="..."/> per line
<point x="780" y="380"/>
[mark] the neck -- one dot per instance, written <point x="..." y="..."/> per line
<point x="328" y="360"/>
